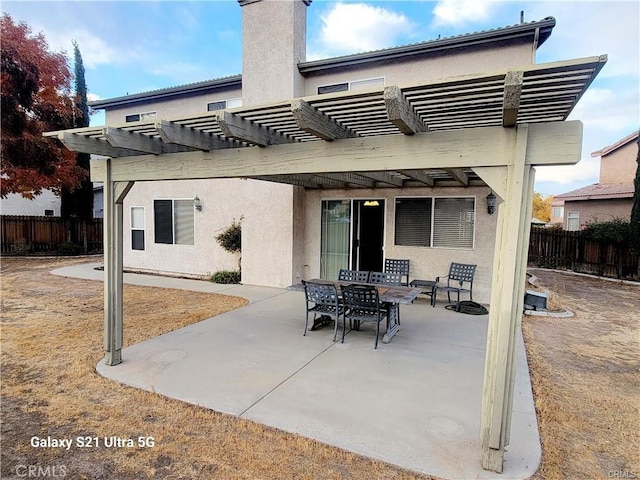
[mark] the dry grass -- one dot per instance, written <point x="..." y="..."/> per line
<point x="584" y="373"/>
<point x="585" y="378"/>
<point x="51" y="342"/>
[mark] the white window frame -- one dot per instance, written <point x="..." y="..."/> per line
<point x="141" y="116"/>
<point x="173" y="222"/>
<point x="228" y="103"/>
<point x="434" y="199"/>
<point x="138" y="228"/>
<point x="573" y="217"/>
<point x="354" y="84"/>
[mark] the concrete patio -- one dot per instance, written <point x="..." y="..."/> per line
<point x="414" y="402"/>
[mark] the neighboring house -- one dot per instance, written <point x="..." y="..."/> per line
<point x="46" y="204"/>
<point x="291" y="233"/>
<point x="612" y="196"/>
<point x="557" y="212"/>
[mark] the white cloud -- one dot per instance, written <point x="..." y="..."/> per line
<point x="358" y="27"/>
<point x="459" y="12"/>
<point x="92" y="97"/>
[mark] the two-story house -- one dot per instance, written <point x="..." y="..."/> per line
<point x="289" y="232"/>
<point x="425" y="151"/>
<point x="612" y="196"/>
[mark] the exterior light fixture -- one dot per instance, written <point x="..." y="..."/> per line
<point x="491" y="203"/>
<point x="197" y="203"/>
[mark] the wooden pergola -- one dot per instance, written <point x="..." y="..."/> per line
<point x="486" y="129"/>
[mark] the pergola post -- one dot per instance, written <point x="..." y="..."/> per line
<point x="114" y="194"/>
<point x="507" y="298"/>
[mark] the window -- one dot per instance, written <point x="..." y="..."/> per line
<point x="355" y="85"/>
<point x="222" y="104"/>
<point x="136" y="117"/>
<point x="573" y="221"/>
<point x="435" y="222"/>
<point x="137" y="228"/>
<point x="558" y="212"/>
<point x="174" y="221"/>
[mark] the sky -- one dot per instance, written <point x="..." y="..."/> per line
<point x="136" y="46"/>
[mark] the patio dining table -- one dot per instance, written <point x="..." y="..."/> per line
<point x="394" y="295"/>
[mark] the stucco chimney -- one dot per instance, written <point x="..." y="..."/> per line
<point x="274" y="37"/>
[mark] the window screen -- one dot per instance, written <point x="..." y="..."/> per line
<point x="213" y="106"/>
<point x="163" y="221"/>
<point x="173" y="221"/>
<point x="453" y="222"/>
<point x="137" y="228"/>
<point x="413" y="222"/>
<point x="338" y="87"/>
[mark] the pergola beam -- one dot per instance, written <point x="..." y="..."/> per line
<point x="557" y="143"/>
<point x="175" y="133"/>
<point x="120" y="138"/>
<point x="458" y="175"/>
<point x="511" y="98"/>
<point x="419" y="176"/>
<point x="84" y="144"/>
<point x="317" y="123"/>
<point x="401" y="113"/>
<point x="234" y="126"/>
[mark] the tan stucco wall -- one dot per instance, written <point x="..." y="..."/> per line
<point x="620" y="165"/>
<point x="599" y="210"/>
<point x="274" y="42"/>
<point x="169" y="109"/>
<point x="412" y="72"/>
<point x="267" y="239"/>
<point x="426" y="263"/>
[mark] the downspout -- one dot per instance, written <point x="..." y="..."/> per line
<point x="536" y="40"/>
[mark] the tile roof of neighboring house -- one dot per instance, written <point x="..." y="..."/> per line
<point x="600" y="191"/>
<point x="615" y="146"/>
<point x="541" y="28"/>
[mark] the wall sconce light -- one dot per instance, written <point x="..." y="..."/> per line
<point x="197" y="203"/>
<point x="491" y="203"/>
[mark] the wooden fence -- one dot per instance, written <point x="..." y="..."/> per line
<point x="22" y="235"/>
<point x="551" y="248"/>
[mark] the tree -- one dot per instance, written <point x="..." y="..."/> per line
<point x="35" y="99"/>
<point x="78" y="201"/>
<point x="542" y="206"/>
<point x="634" y="228"/>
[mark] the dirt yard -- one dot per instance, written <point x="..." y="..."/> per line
<point x="584" y="370"/>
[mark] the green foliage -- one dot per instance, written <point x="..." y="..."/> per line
<point x="614" y="231"/>
<point x="69" y="249"/>
<point x="226" y="276"/>
<point x="634" y="227"/>
<point x="231" y="237"/>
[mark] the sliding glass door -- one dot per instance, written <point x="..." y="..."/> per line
<point x="352" y="236"/>
<point x="335" y="237"/>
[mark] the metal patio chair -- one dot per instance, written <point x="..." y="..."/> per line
<point x="397" y="265"/>
<point x="322" y="299"/>
<point x="353" y="276"/>
<point x="459" y="274"/>
<point x="383" y="278"/>
<point x="362" y="304"/>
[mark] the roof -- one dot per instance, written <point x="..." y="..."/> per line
<point x="600" y="191"/>
<point x="535" y="94"/>
<point x="233" y="81"/>
<point x="541" y="28"/>
<point x="620" y="143"/>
